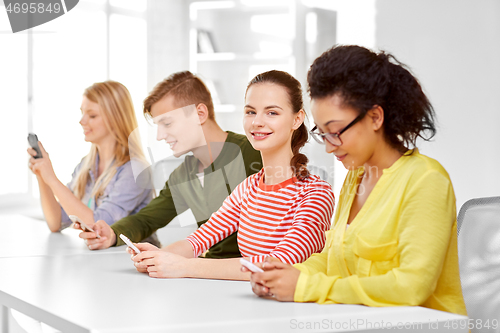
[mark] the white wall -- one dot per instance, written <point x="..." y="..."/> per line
<point x="355" y="25"/>
<point x="453" y="47"/>
<point x="168" y="39"/>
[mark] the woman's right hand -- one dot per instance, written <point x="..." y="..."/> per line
<point x="139" y="266"/>
<point x="32" y="152"/>
<point x="42" y="167"/>
<point x="142" y="247"/>
<point x="278" y="280"/>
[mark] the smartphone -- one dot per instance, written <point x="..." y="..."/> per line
<point x="129" y="243"/>
<point x="76" y="219"/>
<point x="250" y="266"/>
<point x="33" y="141"/>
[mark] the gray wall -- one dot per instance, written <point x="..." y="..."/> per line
<point x="453" y="47"/>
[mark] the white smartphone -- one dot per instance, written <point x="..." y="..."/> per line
<point x="76" y="219"/>
<point x="250" y="266"/>
<point x="129" y="243"/>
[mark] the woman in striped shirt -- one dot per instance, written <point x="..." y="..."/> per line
<point x="281" y="211"/>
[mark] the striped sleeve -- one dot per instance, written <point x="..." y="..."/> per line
<point x="311" y="220"/>
<point x="221" y="224"/>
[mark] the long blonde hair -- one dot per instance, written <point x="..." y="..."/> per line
<point x="119" y="117"/>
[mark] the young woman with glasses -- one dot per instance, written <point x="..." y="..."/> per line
<point x="394" y="238"/>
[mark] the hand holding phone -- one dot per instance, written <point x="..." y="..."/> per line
<point x="76" y="219"/>
<point x="33" y="141"/>
<point x="250" y="266"/>
<point x="129" y="243"/>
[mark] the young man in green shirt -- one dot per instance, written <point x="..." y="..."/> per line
<point x="182" y="108"/>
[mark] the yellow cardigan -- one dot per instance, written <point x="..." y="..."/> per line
<point x="401" y="248"/>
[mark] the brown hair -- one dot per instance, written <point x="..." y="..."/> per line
<point x="300" y="135"/>
<point x="187" y="89"/>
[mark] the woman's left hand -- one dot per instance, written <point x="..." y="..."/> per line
<point x="42" y="167"/>
<point x="161" y="264"/>
<point x="278" y="281"/>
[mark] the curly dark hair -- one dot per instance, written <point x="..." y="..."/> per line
<point x="364" y="79"/>
<point x="300" y="135"/>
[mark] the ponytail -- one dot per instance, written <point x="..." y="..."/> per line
<point x="299" y="160"/>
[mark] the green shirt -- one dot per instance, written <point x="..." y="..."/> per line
<point x="236" y="161"/>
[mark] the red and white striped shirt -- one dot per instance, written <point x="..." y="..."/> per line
<point x="287" y="220"/>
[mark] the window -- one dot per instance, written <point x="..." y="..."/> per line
<point x="14" y="108"/>
<point x="45" y="73"/>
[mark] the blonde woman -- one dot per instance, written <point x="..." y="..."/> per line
<point x="103" y="186"/>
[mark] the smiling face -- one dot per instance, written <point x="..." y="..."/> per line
<point x="180" y="128"/>
<point x="358" y="142"/>
<point x="93" y="122"/>
<point x="269" y="121"/>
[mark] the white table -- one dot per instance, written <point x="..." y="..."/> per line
<point x="22" y="236"/>
<point x="104" y="293"/>
<point x="100" y="291"/>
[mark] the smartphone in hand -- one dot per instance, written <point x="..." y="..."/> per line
<point x="129" y="243"/>
<point x="33" y="141"/>
<point x="76" y="219"/>
<point x="250" y="266"/>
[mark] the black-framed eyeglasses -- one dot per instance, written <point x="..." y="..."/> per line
<point x="334" y="138"/>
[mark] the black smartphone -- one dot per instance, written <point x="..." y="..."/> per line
<point x="33" y="141"/>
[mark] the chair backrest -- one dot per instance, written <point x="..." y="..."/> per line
<point x="162" y="170"/>
<point x="320" y="172"/>
<point x="478" y="226"/>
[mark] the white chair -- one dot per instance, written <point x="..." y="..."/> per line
<point x="478" y="226"/>
<point x="318" y="171"/>
<point x="162" y="170"/>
